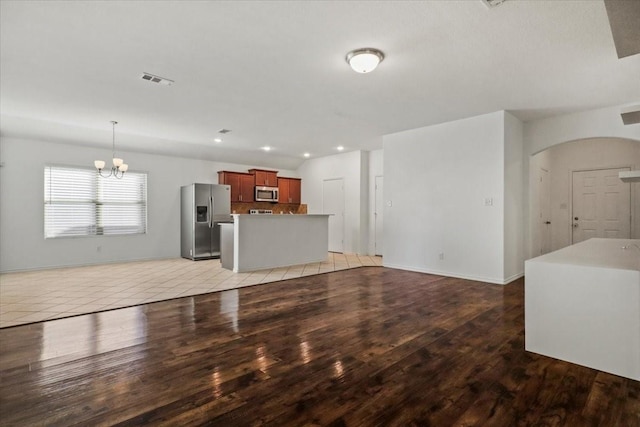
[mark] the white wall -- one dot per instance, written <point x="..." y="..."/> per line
<point x="437" y="179"/>
<point x="22" y="243"/>
<point x="513" y="199"/>
<point x="375" y="169"/>
<point x="597" y="153"/>
<point x="352" y="168"/>
<point x="545" y="133"/>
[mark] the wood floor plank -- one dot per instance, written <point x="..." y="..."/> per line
<point x="364" y="347"/>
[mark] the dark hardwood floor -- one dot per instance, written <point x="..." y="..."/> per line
<point x="364" y="347"/>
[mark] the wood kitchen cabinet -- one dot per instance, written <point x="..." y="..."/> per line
<point x="242" y="185"/>
<point x="265" y="178"/>
<point x="289" y="190"/>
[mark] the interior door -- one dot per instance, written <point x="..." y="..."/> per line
<point x="333" y="204"/>
<point x="379" y="208"/>
<point x="544" y="193"/>
<point x="601" y="205"/>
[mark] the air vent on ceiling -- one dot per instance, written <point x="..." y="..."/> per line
<point x="156" y="79"/>
<point x="631" y="115"/>
<point x="223" y="131"/>
<point x="493" y="3"/>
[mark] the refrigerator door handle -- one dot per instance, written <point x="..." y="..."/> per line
<point x="210" y="212"/>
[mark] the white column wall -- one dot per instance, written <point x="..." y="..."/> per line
<point x="437" y="179"/>
<point x="22" y="243"/>
<point x="513" y="199"/>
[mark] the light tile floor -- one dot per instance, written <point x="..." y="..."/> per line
<point x="34" y="296"/>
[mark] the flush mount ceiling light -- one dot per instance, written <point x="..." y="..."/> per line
<point x="307" y="155"/>
<point x="217" y="140"/>
<point x="119" y="166"/>
<point x="340" y="148"/>
<point x="364" y="60"/>
<point x="267" y="148"/>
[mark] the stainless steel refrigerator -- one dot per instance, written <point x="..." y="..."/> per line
<point x="202" y="207"/>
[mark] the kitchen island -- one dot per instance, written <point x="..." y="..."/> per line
<point x="582" y="305"/>
<point x="257" y="242"/>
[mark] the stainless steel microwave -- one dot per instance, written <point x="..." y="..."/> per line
<point x="267" y="194"/>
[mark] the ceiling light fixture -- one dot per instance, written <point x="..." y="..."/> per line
<point x="364" y="60"/>
<point x="340" y="148"/>
<point x="119" y="166"/>
<point x="307" y="155"/>
<point x="267" y="148"/>
<point x="217" y="139"/>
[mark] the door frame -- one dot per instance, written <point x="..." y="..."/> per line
<point x="632" y="213"/>
<point x="375" y="213"/>
<point x="541" y="227"/>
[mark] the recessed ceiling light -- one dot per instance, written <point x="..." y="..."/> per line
<point x="267" y="148"/>
<point x="217" y="140"/>
<point x="364" y="60"/>
<point x="306" y="154"/>
<point x="340" y="148"/>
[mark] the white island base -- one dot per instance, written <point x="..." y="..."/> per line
<point x="582" y="305"/>
<point x="257" y="242"/>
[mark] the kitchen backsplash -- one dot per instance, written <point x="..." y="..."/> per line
<point x="243" y="208"/>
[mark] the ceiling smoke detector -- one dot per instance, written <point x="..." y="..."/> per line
<point x="223" y="131"/>
<point x="493" y="3"/>
<point x="156" y="79"/>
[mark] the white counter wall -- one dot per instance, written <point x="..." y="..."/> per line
<point x="271" y="241"/>
<point x="582" y="305"/>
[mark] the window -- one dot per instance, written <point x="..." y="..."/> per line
<point x="78" y="202"/>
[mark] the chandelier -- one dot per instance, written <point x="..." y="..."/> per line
<point x="119" y="166"/>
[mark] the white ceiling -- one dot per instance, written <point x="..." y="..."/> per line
<point x="275" y="74"/>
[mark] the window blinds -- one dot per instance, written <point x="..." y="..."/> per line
<point x="78" y="202"/>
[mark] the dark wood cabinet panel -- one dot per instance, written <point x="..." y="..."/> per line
<point x="241" y="185"/>
<point x="290" y="190"/>
<point x="246" y="188"/>
<point x="283" y="190"/>
<point x="265" y="178"/>
<point x="295" y="190"/>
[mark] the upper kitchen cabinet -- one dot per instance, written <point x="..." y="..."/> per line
<point x="289" y="190"/>
<point x="265" y="178"/>
<point x="241" y="185"/>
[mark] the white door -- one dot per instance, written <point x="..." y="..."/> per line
<point x="601" y="205"/>
<point x="379" y="208"/>
<point x="333" y="203"/>
<point x="544" y="220"/>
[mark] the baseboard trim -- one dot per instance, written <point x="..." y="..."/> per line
<point x="493" y="281"/>
<point x="89" y="264"/>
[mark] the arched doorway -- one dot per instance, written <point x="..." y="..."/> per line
<point x="578" y="179"/>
